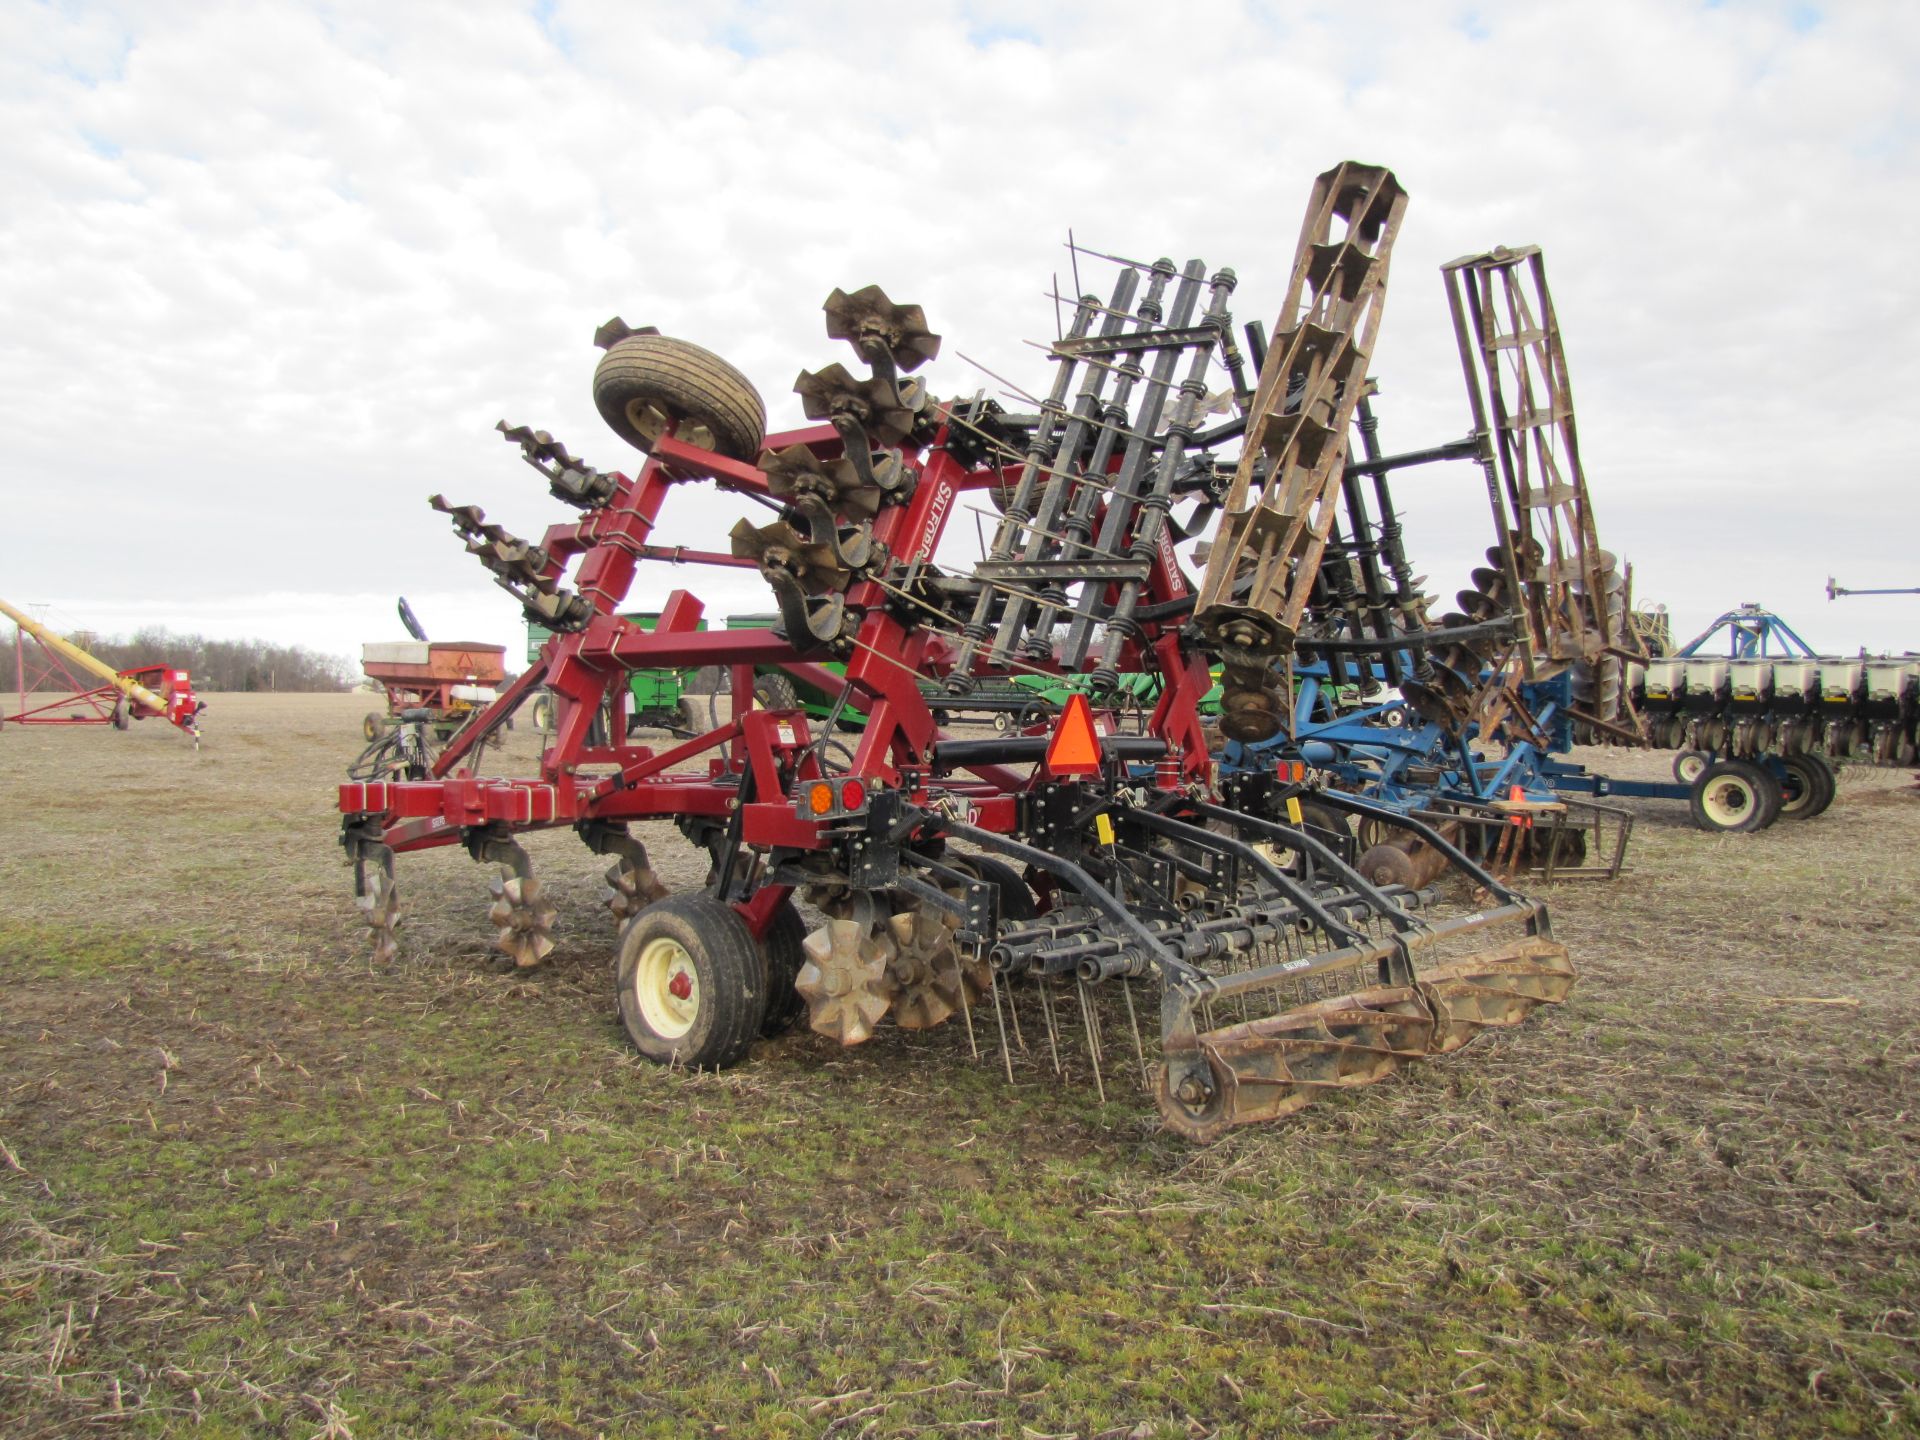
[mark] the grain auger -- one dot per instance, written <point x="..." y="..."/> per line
<point x="1030" y="887"/>
<point x="52" y="691"/>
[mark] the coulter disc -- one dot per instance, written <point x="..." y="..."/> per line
<point x="845" y="979"/>
<point x="525" y="919"/>
<point x="631" y="888"/>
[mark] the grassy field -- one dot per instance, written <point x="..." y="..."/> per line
<point x="252" y="1185"/>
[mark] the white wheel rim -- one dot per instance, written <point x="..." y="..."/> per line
<point x="1727" y="801"/>
<point x="666" y="988"/>
<point x="1691" y="767"/>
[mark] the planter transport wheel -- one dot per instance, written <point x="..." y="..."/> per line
<point x="691" y="983"/>
<point x="1812" y="783"/>
<point x="1733" y="795"/>
<point x="1688" y="764"/>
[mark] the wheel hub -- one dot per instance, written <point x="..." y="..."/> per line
<point x="667" y="988"/>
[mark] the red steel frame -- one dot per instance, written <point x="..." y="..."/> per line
<point x="764" y="753"/>
<point x="99" y="701"/>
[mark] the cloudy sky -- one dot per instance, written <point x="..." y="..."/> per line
<point x="270" y="272"/>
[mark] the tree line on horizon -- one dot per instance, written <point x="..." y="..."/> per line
<point x="243" y="665"/>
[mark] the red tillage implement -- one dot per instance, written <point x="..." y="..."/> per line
<point x="955" y="876"/>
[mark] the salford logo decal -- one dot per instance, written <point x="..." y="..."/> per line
<point x="1175" y="584"/>
<point x="936" y="516"/>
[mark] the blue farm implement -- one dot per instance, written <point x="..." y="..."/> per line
<point x="1749" y="688"/>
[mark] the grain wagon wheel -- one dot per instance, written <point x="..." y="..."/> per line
<point x="645" y="383"/>
<point x="692" y="983"/>
<point x="542" y="717"/>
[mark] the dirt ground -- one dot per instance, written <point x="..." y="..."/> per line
<point x="251" y="1184"/>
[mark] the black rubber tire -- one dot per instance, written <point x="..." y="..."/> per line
<point x="1002" y="722"/>
<point x="729" y="977"/>
<point x="1688" y="764"/>
<point x="1735" y="797"/>
<point x="645" y="381"/>
<point x="780" y="949"/>
<point x="542" y="715"/>
<point x="1327" y="824"/>
<point x="122" y="714"/>
<point x="1016" y="900"/>
<point x="374" y="725"/>
<point x="775" y="692"/>
<point x="943" y="718"/>
<point x="1818" y="786"/>
<point x="1770" y="794"/>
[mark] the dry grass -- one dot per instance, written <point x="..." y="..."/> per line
<point x="252" y="1186"/>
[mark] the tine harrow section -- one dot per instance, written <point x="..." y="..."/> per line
<point x="1030" y="886"/>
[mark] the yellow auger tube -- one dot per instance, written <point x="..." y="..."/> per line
<point x="133" y="690"/>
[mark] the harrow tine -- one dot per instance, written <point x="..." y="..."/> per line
<point x="966" y="1003"/>
<point x="1013" y="1014"/>
<point x="1006" y="1051"/>
<point x="1093" y="1039"/>
<point x="1139" y="1049"/>
<point x="1053" y="1035"/>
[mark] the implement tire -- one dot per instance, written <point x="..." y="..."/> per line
<point x="646" y="382"/>
<point x="775" y="692"/>
<point x="780" y="948"/>
<point x="1688" y="765"/>
<point x="1015" y="898"/>
<point x="692" y="983"/>
<point x="1813" y="783"/>
<point x="1734" y="796"/>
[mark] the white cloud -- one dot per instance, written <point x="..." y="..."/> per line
<point x="270" y="272"/>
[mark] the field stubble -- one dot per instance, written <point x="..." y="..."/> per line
<point x="251" y="1184"/>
